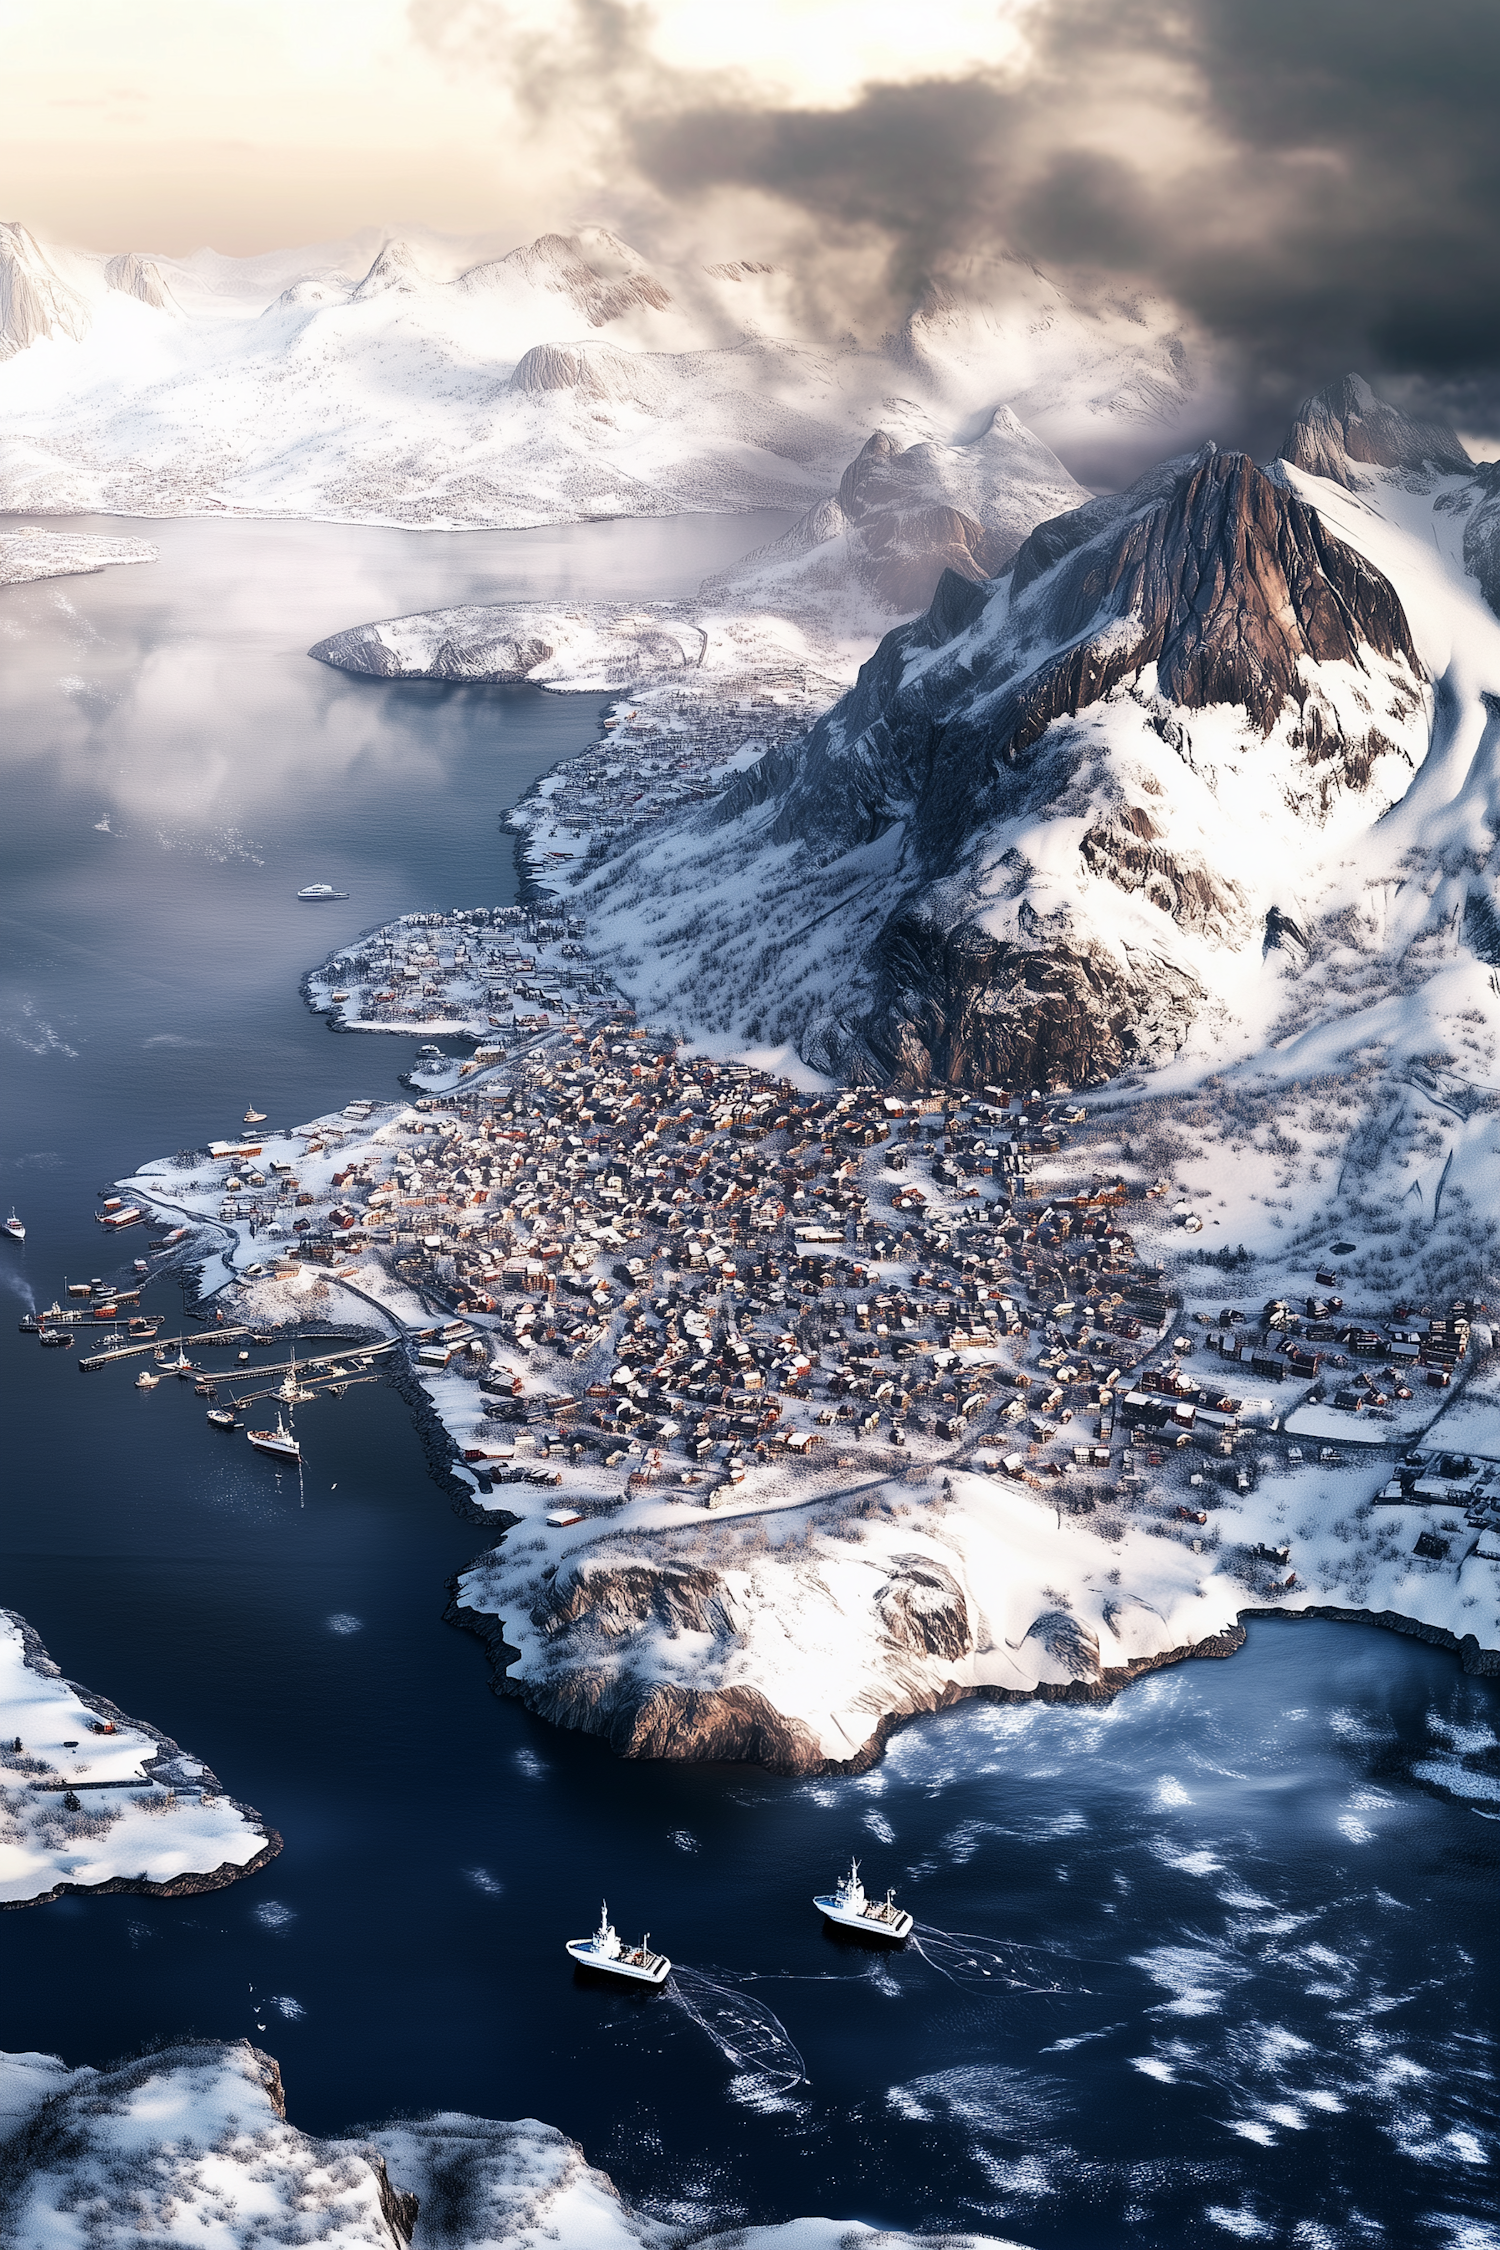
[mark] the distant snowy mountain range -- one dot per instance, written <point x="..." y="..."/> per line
<point x="419" y="382"/>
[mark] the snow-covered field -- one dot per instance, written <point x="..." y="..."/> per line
<point x="193" y="2145"/>
<point x="90" y="1800"/>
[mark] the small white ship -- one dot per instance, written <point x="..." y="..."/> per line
<point x="222" y="1417"/>
<point x="255" y="1117"/>
<point x="278" y="1443"/>
<point x="604" y="1951"/>
<point x="13" y="1227"/>
<point x="849" y="1907"/>
<point x="317" y="891"/>
<point x="146" y="1381"/>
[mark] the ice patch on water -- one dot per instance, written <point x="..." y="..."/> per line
<point x="1079" y="2039"/>
<point x="1354" y="1831"/>
<point x="1011" y="2105"/>
<point x="1197" y="1978"/>
<point x="1154" y="2067"/>
<point x="684" y="1839"/>
<point x="1252" y="2129"/>
<point x="483" y="1880"/>
<point x="530" y="1764"/>
<point x="343" y="1621"/>
<point x="879" y="1826"/>
<point x="286" y="2006"/>
<point x="1186" y="1863"/>
<point x="1448" y="1773"/>
<point x="1169" y="1791"/>
<point x="1467" y="1741"/>
<point x="1239" y="2221"/>
<point x="272" y="1915"/>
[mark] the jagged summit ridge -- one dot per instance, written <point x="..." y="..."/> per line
<point x="1225" y="589"/>
<point x="135" y="276"/>
<point x="1344" y="429"/>
<point x="1044" y="831"/>
<point x="35" y="301"/>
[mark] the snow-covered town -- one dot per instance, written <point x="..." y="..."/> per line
<point x="949" y="1381"/>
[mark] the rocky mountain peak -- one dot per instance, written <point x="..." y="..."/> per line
<point x="135" y="276"/>
<point x="1231" y="583"/>
<point x="1345" y="428"/>
<point x="395" y="268"/>
<point x="35" y="301"/>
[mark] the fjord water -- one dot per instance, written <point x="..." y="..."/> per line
<point x="1232" y="1972"/>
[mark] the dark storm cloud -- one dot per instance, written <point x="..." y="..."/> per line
<point x="1314" y="183"/>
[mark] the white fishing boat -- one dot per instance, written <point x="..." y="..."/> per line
<point x="849" y="1907"/>
<point x="255" y="1117"/>
<point x="316" y="891"/>
<point x="637" y="1964"/>
<point x="146" y="1381"/>
<point x="279" y="1443"/>
<point x="13" y="1227"/>
<point x="222" y="1417"/>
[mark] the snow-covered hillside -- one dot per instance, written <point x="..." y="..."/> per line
<point x="150" y="1818"/>
<point x="1096" y="812"/>
<point x="192" y="2144"/>
<point x="564" y="379"/>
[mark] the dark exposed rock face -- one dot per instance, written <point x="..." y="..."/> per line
<point x="964" y="1009"/>
<point x="1209" y="571"/>
<point x="1068" y="1641"/>
<point x="922" y="1607"/>
<point x="656" y="1719"/>
<point x="1482" y="533"/>
<point x="1233" y="581"/>
<point x="1346" y="427"/>
<point x="909" y="538"/>
<point x="615" y="1596"/>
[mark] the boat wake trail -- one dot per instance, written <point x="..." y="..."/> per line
<point x="965" y="1959"/>
<point x="749" y="2037"/>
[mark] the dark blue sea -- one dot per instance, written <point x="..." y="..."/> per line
<point x="1214" y="1962"/>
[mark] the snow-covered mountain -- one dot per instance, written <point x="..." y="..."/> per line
<point x="1063" y="816"/>
<point x="566" y="378"/>
<point x="902" y="515"/>
<point x="819" y="597"/>
<point x="193" y="2143"/>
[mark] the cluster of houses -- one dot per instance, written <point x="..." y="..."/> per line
<point x="670" y="747"/>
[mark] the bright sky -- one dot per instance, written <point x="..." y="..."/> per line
<point x="255" y="124"/>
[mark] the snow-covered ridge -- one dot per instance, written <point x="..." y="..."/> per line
<point x="1066" y="819"/>
<point x="150" y="1818"/>
<point x="194" y="2143"/>
<point x="566" y="379"/>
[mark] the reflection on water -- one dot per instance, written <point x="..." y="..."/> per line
<point x="1239" y="1924"/>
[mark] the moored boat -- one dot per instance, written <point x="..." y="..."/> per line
<point x="222" y="1417"/>
<point x="58" y="1339"/>
<point x="279" y="1444"/>
<point x="146" y="1381"/>
<point x="255" y="1117"/>
<point x="849" y="1907"/>
<point x="604" y="1951"/>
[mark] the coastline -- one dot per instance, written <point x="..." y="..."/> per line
<point x="169" y="1767"/>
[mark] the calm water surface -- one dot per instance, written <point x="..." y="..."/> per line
<point x="1214" y="1962"/>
